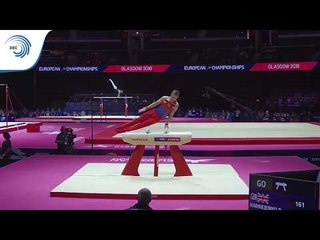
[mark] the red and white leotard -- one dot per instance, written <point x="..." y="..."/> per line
<point x="165" y="108"/>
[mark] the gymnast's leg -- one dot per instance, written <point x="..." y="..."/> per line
<point x="144" y="120"/>
<point x="142" y="117"/>
<point x="142" y="124"/>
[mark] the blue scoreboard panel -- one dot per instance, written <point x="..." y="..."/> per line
<point x="280" y="193"/>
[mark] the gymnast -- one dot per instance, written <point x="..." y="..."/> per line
<point x="164" y="108"/>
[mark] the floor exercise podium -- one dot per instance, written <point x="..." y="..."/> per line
<point x="173" y="139"/>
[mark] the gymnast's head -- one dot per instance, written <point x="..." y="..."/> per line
<point x="175" y="94"/>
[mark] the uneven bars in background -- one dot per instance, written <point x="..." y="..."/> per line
<point x="111" y="97"/>
<point x="125" y="106"/>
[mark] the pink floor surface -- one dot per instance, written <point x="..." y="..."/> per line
<point x="26" y="184"/>
<point x="45" y="139"/>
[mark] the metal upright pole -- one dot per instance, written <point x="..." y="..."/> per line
<point x="7" y="104"/>
<point x="126" y="107"/>
<point x="91" y="124"/>
<point x="270" y="38"/>
<point x="34" y="90"/>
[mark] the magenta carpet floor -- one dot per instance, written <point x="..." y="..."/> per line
<point x="26" y="184"/>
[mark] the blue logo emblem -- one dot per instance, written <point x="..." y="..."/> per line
<point x="19" y="45"/>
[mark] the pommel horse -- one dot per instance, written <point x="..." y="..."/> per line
<point x="173" y="139"/>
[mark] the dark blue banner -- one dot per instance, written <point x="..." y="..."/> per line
<point x="266" y="67"/>
<point x="284" y="191"/>
<point x="70" y="69"/>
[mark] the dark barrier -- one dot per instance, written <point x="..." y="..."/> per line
<point x="298" y="190"/>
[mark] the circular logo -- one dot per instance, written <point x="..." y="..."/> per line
<point x="19" y="45"/>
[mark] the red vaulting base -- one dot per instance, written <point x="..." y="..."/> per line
<point x="173" y="139"/>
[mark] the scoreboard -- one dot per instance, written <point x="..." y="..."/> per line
<point x="284" y="191"/>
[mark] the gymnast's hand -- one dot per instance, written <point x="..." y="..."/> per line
<point x="143" y="109"/>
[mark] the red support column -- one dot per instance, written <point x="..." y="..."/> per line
<point x="156" y="161"/>
<point x="132" y="165"/>
<point x="180" y="164"/>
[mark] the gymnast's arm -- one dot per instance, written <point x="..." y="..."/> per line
<point x="171" y="114"/>
<point x="154" y="104"/>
